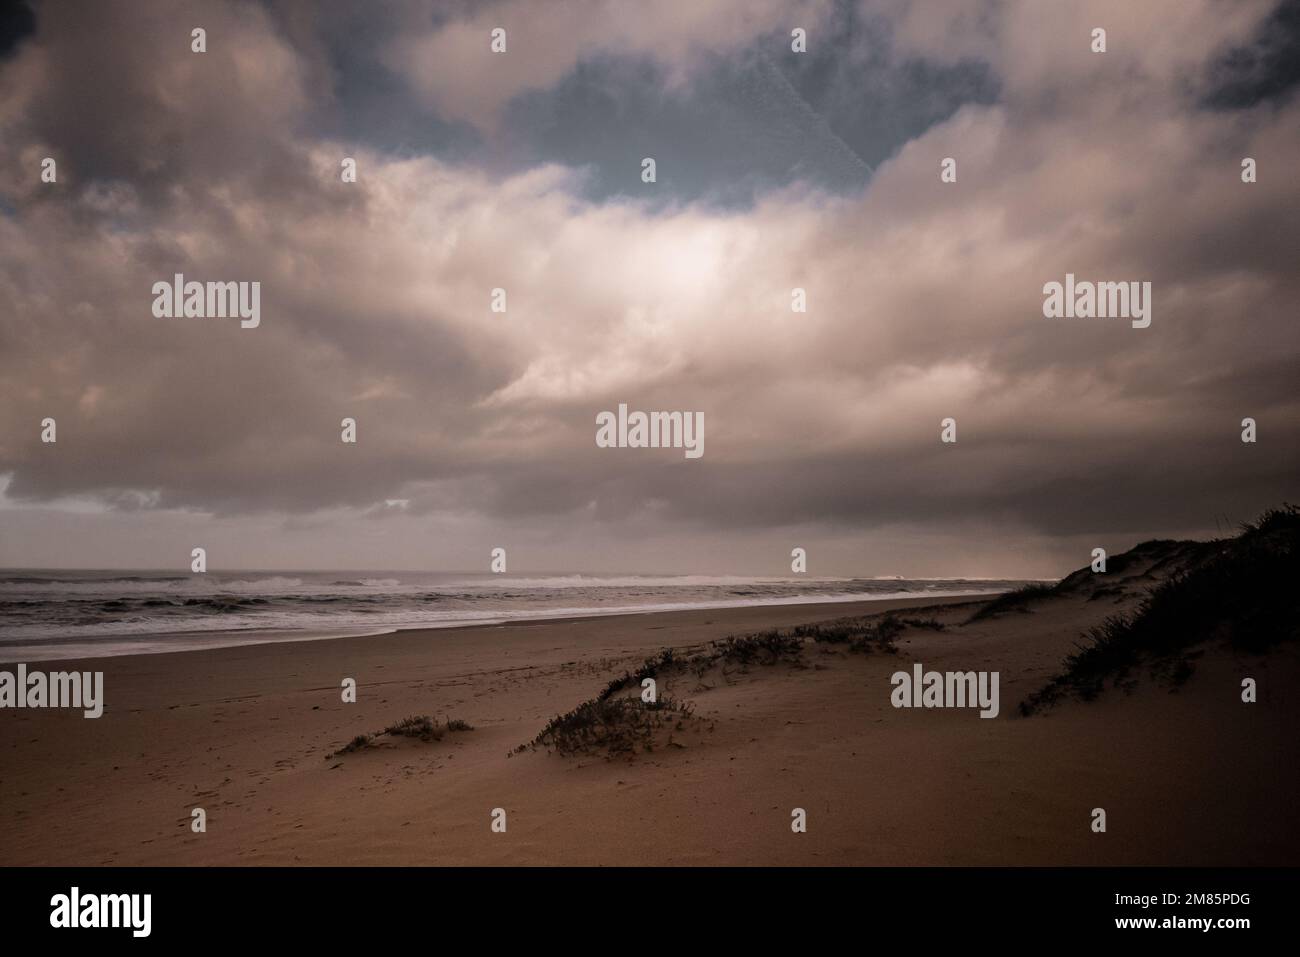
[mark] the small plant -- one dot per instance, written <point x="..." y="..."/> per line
<point x="865" y="636"/>
<point x="1012" y="601"/>
<point x="879" y="636"/>
<point x="767" y="648"/>
<point x="930" y="624"/>
<point x="356" y="744"/>
<point x="833" y="633"/>
<point x="664" y="661"/>
<point x="419" y="726"/>
<point x="612" y="725"/>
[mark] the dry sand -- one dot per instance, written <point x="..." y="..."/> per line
<point x="1188" y="777"/>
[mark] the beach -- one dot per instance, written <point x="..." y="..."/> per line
<point x="250" y="735"/>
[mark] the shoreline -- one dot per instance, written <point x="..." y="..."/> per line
<point x="216" y="639"/>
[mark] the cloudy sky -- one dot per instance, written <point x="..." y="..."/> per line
<point x="522" y="171"/>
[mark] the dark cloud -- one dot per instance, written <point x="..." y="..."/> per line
<point x="775" y="172"/>
<point x="17" y="22"/>
<point x="1264" y="70"/>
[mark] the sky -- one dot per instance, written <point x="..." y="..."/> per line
<point x="522" y="171"/>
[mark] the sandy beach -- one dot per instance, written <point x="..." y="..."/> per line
<point x="387" y="391"/>
<point x="244" y="733"/>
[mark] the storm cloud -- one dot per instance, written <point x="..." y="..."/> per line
<point x="522" y="171"/>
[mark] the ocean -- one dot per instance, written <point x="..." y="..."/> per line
<point x="46" y="615"/>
